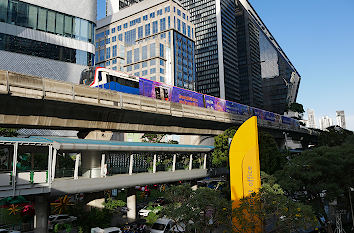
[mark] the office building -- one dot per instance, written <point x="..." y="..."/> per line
<point x="237" y="58"/>
<point x="325" y="122"/>
<point x="113" y="6"/>
<point x="340" y="119"/>
<point x="153" y="39"/>
<point x="53" y="39"/>
<point x="267" y="77"/>
<point x="311" y="118"/>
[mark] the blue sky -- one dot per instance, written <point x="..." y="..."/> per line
<point x="318" y="38"/>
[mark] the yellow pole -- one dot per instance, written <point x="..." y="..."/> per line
<point x="244" y="163"/>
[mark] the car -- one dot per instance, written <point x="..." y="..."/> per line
<point x="8" y="231"/>
<point x="106" y="230"/>
<point x="60" y="218"/>
<point x="147" y="209"/>
<point x="162" y="225"/>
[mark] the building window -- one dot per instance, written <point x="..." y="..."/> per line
<point x="144" y="64"/>
<point x="169" y="23"/>
<point x="144" y="53"/>
<point x="108" y="63"/>
<point x="159" y="12"/>
<point x="167" y="9"/>
<point x="184" y="16"/>
<point x="102" y="55"/>
<point x="152" y="62"/>
<point x="108" y="53"/>
<point x="119" y="28"/>
<point x="129" y="68"/>
<point x="114" y="51"/>
<point x="162" y="62"/>
<point x="114" y="39"/>
<point x="154" y="27"/>
<point x="152" y="15"/>
<point x="140" y="32"/>
<point x="125" y="25"/>
<point x="130" y="37"/>
<point x="114" y="61"/>
<point x="137" y="74"/>
<point x="113" y="30"/>
<point x="183" y="28"/>
<point x="152" y="50"/>
<point x="178" y="12"/>
<point x="153" y="78"/>
<point x="120" y="37"/>
<point x="153" y="71"/>
<point x="162" y="24"/>
<point x="136" y="55"/>
<point x="144" y="73"/>
<point x="162" y="71"/>
<point x="145" y="17"/>
<point x="178" y="25"/>
<point x="114" y="68"/>
<point x="136" y="66"/>
<point x="147" y="29"/>
<point x="161" y="50"/>
<point x="189" y="31"/>
<point x="162" y="79"/>
<point x="108" y="40"/>
<point x="129" y="57"/>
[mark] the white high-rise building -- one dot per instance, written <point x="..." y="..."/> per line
<point x="311" y="118"/>
<point x="341" y="119"/>
<point x="325" y="122"/>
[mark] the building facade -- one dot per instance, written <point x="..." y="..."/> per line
<point x="268" y="79"/>
<point x="49" y="39"/>
<point x="153" y="39"/>
<point x="340" y="116"/>
<point x="325" y="122"/>
<point x="311" y="118"/>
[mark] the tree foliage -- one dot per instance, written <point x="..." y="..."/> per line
<point x="114" y="205"/>
<point x="296" y="107"/>
<point x="334" y="136"/>
<point x="7" y="132"/>
<point x="271" y="159"/>
<point x="320" y="176"/>
<point x="270" y="206"/>
<point x="202" y="210"/>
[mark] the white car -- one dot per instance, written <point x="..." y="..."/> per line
<point x="60" y="218"/>
<point x="164" y="225"/>
<point x="106" y="230"/>
<point x="145" y="211"/>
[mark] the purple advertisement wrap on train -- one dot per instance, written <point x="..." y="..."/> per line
<point x="269" y="116"/>
<point x="154" y="89"/>
<point x="236" y="108"/>
<point x="187" y="97"/>
<point x="215" y="103"/>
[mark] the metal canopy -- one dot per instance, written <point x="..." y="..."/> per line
<point x="71" y="144"/>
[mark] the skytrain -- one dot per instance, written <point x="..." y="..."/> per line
<point x="115" y="80"/>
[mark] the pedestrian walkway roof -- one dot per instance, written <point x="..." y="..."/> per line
<point x="72" y="144"/>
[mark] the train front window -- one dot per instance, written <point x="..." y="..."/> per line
<point x="87" y="76"/>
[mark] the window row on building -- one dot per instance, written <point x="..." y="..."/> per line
<point x="38" y="18"/>
<point x="40" y="49"/>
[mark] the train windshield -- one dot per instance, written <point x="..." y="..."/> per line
<point x="87" y="76"/>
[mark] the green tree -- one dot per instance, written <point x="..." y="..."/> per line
<point x="114" y="205"/>
<point x="320" y="176"/>
<point x="152" y="138"/>
<point x="7" y="132"/>
<point x="296" y="107"/>
<point x="334" y="136"/>
<point x="202" y="210"/>
<point x="271" y="159"/>
<point x="274" y="209"/>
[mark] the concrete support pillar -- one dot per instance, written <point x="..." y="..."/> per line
<point x="205" y="161"/>
<point x="174" y="163"/>
<point x="54" y="163"/>
<point x="103" y="165"/>
<point x="190" y="162"/>
<point x="154" y="164"/>
<point x="131" y="163"/>
<point x="41" y="216"/>
<point x="91" y="164"/>
<point x="131" y="204"/>
<point x="77" y="163"/>
<point x="14" y="166"/>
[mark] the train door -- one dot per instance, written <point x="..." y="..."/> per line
<point x="161" y="93"/>
<point x="102" y="77"/>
